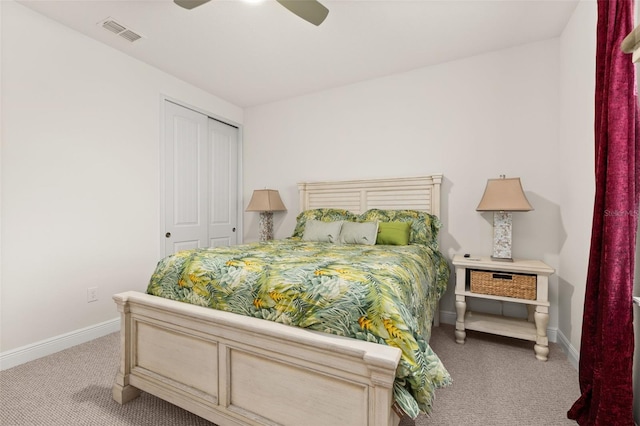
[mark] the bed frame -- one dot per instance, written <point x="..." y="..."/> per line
<point x="237" y="370"/>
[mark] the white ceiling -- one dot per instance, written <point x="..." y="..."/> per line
<point x="251" y="54"/>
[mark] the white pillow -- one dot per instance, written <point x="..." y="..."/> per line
<point x="325" y="232"/>
<point x="359" y="233"/>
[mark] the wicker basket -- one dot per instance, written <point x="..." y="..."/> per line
<point x="519" y="286"/>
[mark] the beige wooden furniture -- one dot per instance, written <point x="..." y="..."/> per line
<point x="237" y="370"/>
<point x="631" y="44"/>
<point x="534" y="328"/>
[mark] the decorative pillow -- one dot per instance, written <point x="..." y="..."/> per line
<point x="359" y="233"/>
<point x="324" y="232"/>
<point x="394" y="233"/>
<point x="325" y="215"/>
<point x="424" y="226"/>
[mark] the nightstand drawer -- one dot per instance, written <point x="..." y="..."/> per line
<point x="500" y="283"/>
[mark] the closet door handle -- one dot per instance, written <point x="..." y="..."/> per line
<point x="233" y="230"/>
<point x="168" y="235"/>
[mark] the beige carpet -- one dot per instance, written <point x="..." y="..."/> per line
<point x="497" y="381"/>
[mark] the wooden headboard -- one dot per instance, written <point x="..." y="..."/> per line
<point x="415" y="193"/>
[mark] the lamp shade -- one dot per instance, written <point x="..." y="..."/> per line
<point x="504" y="195"/>
<point x="266" y="200"/>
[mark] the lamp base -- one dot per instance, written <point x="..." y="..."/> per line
<point x="502" y="226"/>
<point x="502" y="259"/>
<point x="266" y="226"/>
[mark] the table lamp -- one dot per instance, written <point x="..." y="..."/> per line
<point x="266" y="201"/>
<point x="503" y="196"/>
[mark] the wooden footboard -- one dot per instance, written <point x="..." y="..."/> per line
<point x="236" y="370"/>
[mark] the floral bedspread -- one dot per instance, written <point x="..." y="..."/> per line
<point x="382" y="294"/>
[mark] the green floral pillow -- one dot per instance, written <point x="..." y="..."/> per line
<point x="424" y="226"/>
<point x="325" y="215"/>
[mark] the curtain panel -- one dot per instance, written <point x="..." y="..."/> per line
<point x="606" y="350"/>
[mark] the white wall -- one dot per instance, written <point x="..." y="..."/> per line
<point x="80" y="174"/>
<point x="471" y="119"/>
<point x="577" y="52"/>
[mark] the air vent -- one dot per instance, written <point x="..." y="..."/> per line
<point x="130" y="35"/>
<point x="115" y="27"/>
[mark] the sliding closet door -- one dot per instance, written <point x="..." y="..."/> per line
<point x="200" y="180"/>
<point x="185" y="179"/>
<point x="223" y="209"/>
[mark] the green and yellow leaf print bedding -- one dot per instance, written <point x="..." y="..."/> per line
<point x="381" y="294"/>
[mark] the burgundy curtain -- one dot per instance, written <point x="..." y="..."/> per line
<point x="606" y="350"/>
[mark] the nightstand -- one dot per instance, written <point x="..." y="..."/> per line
<point x="534" y="273"/>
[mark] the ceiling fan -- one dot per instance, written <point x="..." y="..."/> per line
<point x="309" y="10"/>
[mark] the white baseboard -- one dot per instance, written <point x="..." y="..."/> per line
<point x="448" y="317"/>
<point x="50" y="346"/>
<point x="572" y="353"/>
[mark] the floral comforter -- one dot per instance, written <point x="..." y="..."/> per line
<point x="383" y="294"/>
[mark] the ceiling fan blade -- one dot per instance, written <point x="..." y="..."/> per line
<point x="190" y="4"/>
<point x="309" y="10"/>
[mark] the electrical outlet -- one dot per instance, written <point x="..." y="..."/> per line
<point x="92" y="294"/>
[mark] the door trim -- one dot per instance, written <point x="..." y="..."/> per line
<point x="161" y="176"/>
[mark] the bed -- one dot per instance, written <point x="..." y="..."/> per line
<point x="248" y="369"/>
